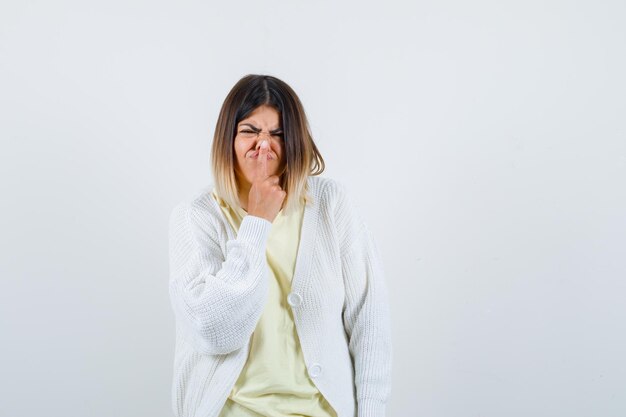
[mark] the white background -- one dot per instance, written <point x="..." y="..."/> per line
<point x="485" y="142"/>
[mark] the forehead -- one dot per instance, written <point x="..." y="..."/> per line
<point x="263" y="115"/>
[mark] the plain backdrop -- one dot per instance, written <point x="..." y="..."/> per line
<point x="485" y="142"/>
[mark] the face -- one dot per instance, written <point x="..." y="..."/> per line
<point x="263" y="123"/>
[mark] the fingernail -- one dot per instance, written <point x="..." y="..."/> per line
<point x="264" y="144"/>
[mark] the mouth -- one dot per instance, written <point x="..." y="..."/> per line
<point x="255" y="155"/>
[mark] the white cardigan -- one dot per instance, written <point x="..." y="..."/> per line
<point x="219" y="285"/>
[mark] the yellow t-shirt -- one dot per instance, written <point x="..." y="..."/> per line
<point x="274" y="381"/>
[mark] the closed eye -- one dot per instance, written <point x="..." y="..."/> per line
<point x="273" y="134"/>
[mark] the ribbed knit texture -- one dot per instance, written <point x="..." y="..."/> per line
<point x="219" y="286"/>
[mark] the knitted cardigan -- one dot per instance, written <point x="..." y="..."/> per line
<point x="218" y="287"/>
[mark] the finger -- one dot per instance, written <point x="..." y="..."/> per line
<point x="261" y="165"/>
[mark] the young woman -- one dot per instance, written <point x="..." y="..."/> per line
<point x="276" y="283"/>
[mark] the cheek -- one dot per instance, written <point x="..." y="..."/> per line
<point x="240" y="150"/>
<point x="281" y="151"/>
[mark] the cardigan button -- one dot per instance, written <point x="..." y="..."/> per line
<point x="294" y="299"/>
<point x="315" y="370"/>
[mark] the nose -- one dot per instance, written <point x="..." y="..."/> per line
<point x="261" y="137"/>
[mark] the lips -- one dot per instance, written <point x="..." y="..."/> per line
<point x="270" y="155"/>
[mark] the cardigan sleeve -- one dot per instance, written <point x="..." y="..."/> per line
<point x="217" y="300"/>
<point x="366" y="315"/>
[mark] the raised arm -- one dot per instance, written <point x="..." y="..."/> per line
<point x="217" y="299"/>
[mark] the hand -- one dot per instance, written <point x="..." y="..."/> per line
<point x="266" y="196"/>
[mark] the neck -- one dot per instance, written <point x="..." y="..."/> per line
<point x="244" y="191"/>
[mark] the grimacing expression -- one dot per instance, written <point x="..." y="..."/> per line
<point x="263" y="123"/>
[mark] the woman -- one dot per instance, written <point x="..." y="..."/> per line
<point x="276" y="284"/>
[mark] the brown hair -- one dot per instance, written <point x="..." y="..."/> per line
<point x="301" y="155"/>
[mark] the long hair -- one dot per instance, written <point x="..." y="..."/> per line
<point x="302" y="157"/>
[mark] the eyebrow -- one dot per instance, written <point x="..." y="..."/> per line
<point x="256" y="129"/>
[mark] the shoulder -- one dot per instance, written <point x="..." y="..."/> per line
<point x="335" y="195"/>
<point x="342" y="207"/>
<point x="198" y="211"/>
<point x="330" y="190"/>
